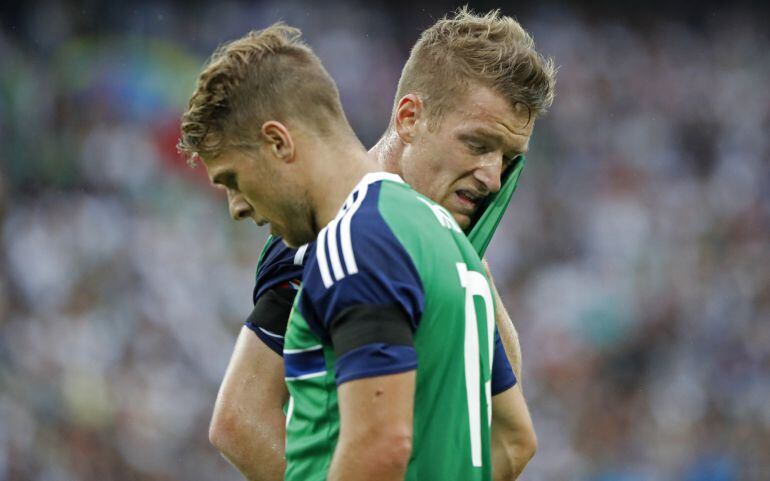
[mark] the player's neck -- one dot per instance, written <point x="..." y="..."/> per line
<point x="337" y="175"/>
<point x="386" y="152"/>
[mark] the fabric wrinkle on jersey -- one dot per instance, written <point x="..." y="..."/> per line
<point x="372" y="255"/>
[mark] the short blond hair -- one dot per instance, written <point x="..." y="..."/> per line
<point x="492" y="50"/>
<point x="269" y="74"/>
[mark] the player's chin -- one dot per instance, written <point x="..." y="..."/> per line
<point x="462" y="219"/>
<point x="275" y="230"/>
<point x="463" y="210"/>
<point x="293" y="238"/>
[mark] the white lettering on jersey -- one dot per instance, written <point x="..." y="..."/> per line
<point x="443" y="216"/>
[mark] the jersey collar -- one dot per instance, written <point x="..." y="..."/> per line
<point x="365" y="181"/>
<point x="373" y="177"/>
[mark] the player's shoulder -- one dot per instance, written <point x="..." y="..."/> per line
<point x="277" y="252"/>
<point x="278" y="265"/>
<point x="427" y="230"/>
<point x="405" y="210"/>
<point x="358" y="260"/>
<point x="383" y="226"/>
<point x="424" y="228"/>
<point x="359" y="237"/>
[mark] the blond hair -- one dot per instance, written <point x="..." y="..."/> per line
<point x="266" y="75"/>
<point x="491" y="50"/>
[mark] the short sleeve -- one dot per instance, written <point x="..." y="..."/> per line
<point x="279" y="274"/>
<point x="269" y="318"/>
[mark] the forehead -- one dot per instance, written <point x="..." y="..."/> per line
<point x="483" y="107"/>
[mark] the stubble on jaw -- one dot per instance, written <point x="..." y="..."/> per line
<point x="304" y="218"/>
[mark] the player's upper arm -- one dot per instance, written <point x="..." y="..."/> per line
<point x="253" y="387"/>
<point x="376" y="422"/>
<point x="514" y="441"/>
<point x="367" y="295"/>
<point x="510" y="412"/>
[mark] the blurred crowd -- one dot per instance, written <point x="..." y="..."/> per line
<point x="634" y="259"/>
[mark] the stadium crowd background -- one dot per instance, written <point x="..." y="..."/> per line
<point x="635" y="256"/>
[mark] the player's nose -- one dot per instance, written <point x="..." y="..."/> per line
<point x="239" y="208"/>
<point x="489" y="173"/>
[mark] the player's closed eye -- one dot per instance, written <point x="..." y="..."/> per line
<point x="477" y="147"/>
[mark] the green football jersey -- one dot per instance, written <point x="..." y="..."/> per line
<point x="492" y="209"/>
<point x="390" y="246"/>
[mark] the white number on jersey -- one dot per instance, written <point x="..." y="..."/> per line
<point x="475" y="284"/>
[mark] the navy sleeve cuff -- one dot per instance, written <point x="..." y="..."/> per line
<point x="273" y="341"/>
<point x="503" y="377"/>
<point x="304" y="364"/>
<point x="373" y="360"/>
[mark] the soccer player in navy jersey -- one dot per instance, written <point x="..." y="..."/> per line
<point x="452" y="143"/>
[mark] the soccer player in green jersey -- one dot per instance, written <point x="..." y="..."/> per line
<point x="390" y="345"/>
<point x="434" y="163"/>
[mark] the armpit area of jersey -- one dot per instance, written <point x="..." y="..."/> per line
<point x="372" y="341"/>
<point x="270" y="316"/>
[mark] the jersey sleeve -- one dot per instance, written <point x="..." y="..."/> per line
<point x="279" y="274"/>
<point x="364" y="296"/>
<point x="503" y="377"/>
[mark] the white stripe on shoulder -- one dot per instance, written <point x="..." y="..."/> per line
<point x="347" y="241"/>
<point x="307" y="376"/>
<point x="320" y="253"/>
<point x="304" y="349"/>
<point x="276" y="336"/>
<point x="334" y="252"/>
<point x="299" y="257"/>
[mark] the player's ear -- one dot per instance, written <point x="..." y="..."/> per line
<point x="408" y="114"/>
<point x="277" y="140"/>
